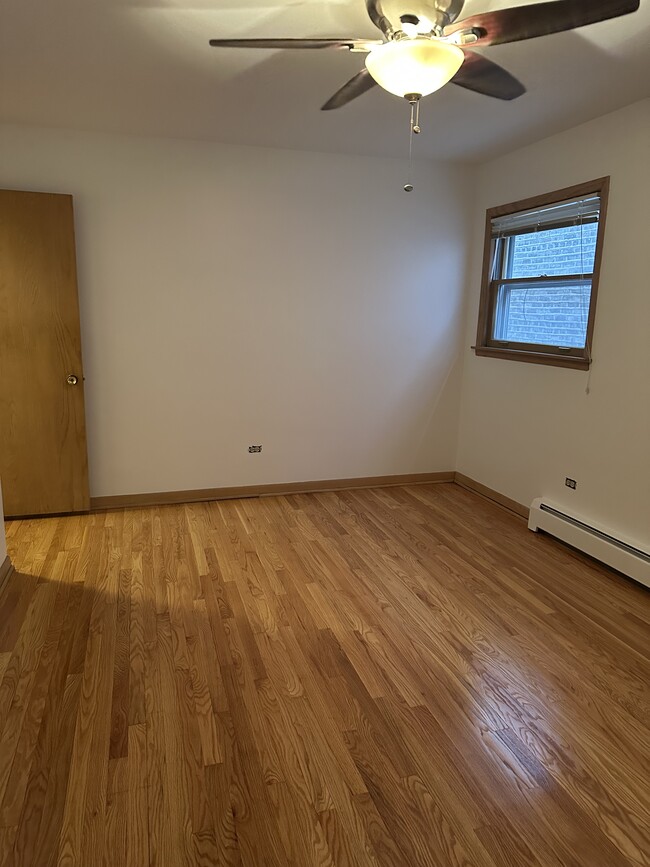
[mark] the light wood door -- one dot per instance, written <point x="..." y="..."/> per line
<point x="43" y="460"/>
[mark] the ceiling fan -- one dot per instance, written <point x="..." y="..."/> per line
<point x="424" y="45"/>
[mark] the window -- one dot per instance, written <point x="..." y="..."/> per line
<point x="540" y="277"/>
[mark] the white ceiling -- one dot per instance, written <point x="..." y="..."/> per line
<point x="145" y="67"/>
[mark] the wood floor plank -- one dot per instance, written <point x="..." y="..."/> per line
<point x="39" y="841"/>
<point x="121" y="669"/>
<point x="137" y="802"/>
<point x="19" y="680"/>
<point x="403" y="677"/>
<point x="31" y="727"/>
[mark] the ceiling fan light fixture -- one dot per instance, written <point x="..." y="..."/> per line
<point x="414" y="66"/>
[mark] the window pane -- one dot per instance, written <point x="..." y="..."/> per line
<point x="553" y="313"/>
<point x="570" y="250"/>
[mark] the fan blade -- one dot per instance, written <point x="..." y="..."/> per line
<point x="356" y="86"/>
<point x="350" y="44"/>
<point x="527" y="22"/>
<point x="483" y="76"/>
<point x="378" y="18"/>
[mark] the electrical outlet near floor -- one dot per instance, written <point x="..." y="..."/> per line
<point x="571" y="483"/>
<point x="254" y="450"/>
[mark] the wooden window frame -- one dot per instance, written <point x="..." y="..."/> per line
<point x="537" y="353"/>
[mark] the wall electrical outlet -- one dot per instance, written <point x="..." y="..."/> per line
<point x="571" y="483"/>
<point x="254" y="450"/>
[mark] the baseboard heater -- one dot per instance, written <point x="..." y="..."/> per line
<point x="620" y="555"/>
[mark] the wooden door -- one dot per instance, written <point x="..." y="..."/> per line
<point x="43" y="461"/>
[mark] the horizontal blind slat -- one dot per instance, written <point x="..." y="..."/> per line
<point x="555" y="216"/>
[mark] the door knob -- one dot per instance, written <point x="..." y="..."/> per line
<point x="71" y="379"/>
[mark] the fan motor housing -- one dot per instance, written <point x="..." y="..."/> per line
<point x="388" y="15"/>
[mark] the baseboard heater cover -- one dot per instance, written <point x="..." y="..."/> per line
<point x="620" y="555"/>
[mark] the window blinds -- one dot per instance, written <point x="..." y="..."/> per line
<point x="555" y="216"/>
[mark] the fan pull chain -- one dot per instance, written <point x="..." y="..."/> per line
<point x="414" y="102"/>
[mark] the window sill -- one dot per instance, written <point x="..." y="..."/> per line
<point x="533" y="357"/>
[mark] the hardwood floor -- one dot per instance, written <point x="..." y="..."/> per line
<point x="391" y="678"/>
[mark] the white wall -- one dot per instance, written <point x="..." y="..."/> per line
<point x="234" y="296"/>
<point x="525" y="427"/>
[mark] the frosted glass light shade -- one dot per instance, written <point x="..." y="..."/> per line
<point x="418" y="66"/>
